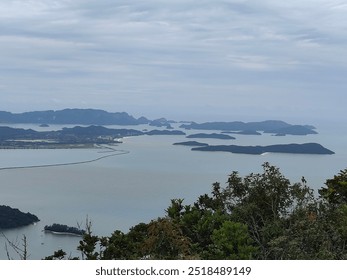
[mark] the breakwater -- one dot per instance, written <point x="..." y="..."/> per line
<point x="111" y="153"/>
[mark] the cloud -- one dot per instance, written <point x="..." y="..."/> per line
<point x="158" y="53"/>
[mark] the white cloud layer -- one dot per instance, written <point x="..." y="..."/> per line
<point x="266" y="58"/>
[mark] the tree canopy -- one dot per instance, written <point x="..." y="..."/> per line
<point x="259" y="216"/>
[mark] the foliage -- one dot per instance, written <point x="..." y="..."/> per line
<point x="12" y="217"/>
<point x="232" y="241"/>
<point x="64" y="229"/>
<point x="166" y="241"/>
<point x="336" y="190"/>
<point x="258" y="216"/>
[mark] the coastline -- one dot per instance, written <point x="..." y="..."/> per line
<point x="62" y="233"/>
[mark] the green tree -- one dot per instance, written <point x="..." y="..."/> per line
<point x="264" y="202"/>
<point x="335" y="192"/>
<point x="166" y="241"/>
<point x="258" y="216"/>
<point x="232" y="241"/>
<point x="116" y="247"/>
<point x="89" y="243"/>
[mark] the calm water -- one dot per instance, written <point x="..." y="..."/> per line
<point x="120" y="191"/>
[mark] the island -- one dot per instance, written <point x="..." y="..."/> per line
<point x="191" y="143"/>
<point x="76" y="137"/>
<point x="211" y="135"/>
<point x="101" y="117"/>
<point x="12" y="218"/>
<point x="306" y="148"/>
<point x="64" y="229"/>
<point x="291" y="130"/>
<point x="270" y="126"/>
<point x="165" y="132"/>
<point x="162" y="122"/>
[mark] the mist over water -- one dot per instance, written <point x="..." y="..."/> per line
<point x="120" y="191"/>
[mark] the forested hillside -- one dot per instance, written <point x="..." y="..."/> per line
<point x="260" y="216"/>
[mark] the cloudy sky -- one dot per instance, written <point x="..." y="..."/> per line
<point x="196" y="59"/>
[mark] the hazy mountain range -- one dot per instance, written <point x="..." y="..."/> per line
<point x="72" y="116"/>
<point x="101" y="117"/>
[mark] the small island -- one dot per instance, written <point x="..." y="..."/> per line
<point x="211" y="135"/>
<point x="191" y="143"/>
<point x="165" y="132"/>
<point x="64" y="229"/>
<point x="13" y="218"/>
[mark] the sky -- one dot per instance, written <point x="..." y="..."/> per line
<point x="185" y="60"/>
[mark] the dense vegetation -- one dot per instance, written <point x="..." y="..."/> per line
<point x="261" y="216"/>
<point x="59" y="228"/>
<point x="12" y="217"/>
<point x="72" y="116"/>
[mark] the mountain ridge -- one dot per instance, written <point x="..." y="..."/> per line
<point x="101" y="117"/>
<point x="72" y="116"/>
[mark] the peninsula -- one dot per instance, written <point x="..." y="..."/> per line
<point x="12" y="217"/>
<point x="165" y="132"/>
<point x="76" y="137"/>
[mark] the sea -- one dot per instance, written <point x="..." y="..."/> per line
<point x="136" y="182"/>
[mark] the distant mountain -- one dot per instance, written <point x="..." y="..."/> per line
<point x="271" y="126"/>
<point x="101" y="117"/>
<point x="165" y="132"/>
<point x="72" y="116"/>
<point x="161" y="122"/>
<point x="28" y="138"/>
<point x="95" y="131"/>
<point x="292" y="130"/>
<point x="75" y="133"/>
<point x="211" y="135"/>
<point x="237" y="125"/>
<point x="16" y="133"/>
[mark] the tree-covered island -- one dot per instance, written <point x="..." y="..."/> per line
<point x="306" y="148"/>
<point x="211" y="136"/>
<point x="64" y="229"/>
<point x="13" y="217"/>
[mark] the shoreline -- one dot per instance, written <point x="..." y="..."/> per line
<point x="62" y="233"/>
